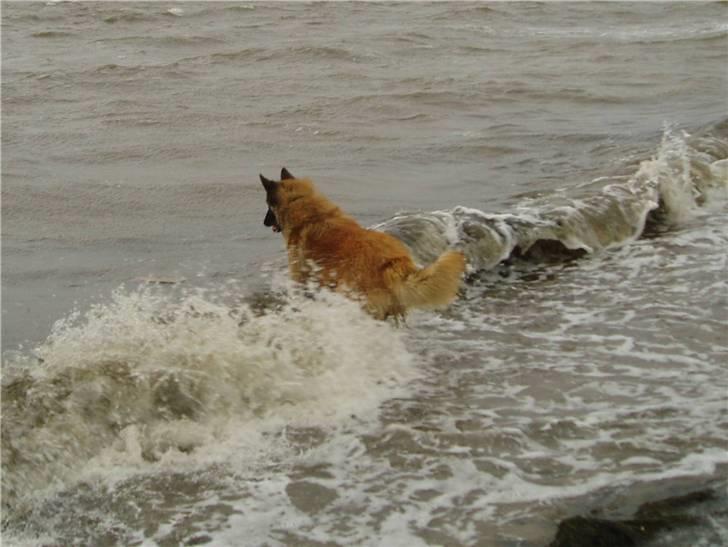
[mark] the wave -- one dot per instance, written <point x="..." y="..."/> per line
<point x="286" y="54"/>
<point x="52" y="34"/>
<point x="240" y="7"/>
<point x="127" y="16"/>
<point x="245" y="55"/>
<point x="131" y="73"/>
<point x="163" y="40"/>
<point x="686" y="173"/>
<point x="638" y="35"/>
<point x="152" y="376"/>
<point x="716" y="33"/>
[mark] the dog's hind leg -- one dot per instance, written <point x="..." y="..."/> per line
<point x="400" y="319"/>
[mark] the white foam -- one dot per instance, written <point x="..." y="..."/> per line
<point x="719" y="169"/>
<point x="150" y="382"/>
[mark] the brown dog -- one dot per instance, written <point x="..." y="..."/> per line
<point x="326" y="244"/>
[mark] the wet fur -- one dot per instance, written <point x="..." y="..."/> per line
<point x="327" y="245"/>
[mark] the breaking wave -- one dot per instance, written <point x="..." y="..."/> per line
<point x="686" y="173"/>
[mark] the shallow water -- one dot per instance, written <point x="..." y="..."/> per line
<point x="577" y="153"/>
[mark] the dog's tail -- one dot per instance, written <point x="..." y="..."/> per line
<point x="436" y="285"/>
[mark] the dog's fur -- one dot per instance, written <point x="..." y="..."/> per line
<point x="327" y="245"/>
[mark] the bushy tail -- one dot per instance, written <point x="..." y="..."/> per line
<point x="434" y="286"/>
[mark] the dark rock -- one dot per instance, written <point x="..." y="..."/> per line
<point x="649" y="520"/>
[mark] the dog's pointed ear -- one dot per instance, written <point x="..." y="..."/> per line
<point x="269" y="185"/>
<point x="286" y="174"/>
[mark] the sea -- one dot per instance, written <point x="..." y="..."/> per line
<point x="164" y="383"/>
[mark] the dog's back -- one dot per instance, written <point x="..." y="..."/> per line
<point x="325" y="242"/>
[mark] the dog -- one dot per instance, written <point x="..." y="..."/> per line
<point x="328" y="246"/>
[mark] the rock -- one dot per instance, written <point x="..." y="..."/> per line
<point x="649" y="520"/>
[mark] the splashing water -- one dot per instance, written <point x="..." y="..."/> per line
<point x="149" y="378"/>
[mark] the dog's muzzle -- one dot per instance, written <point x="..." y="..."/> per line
<point x="271" y="220"/>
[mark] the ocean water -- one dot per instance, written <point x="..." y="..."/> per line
<point x="164" y="384"/>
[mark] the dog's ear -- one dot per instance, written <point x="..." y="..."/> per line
<point x="286" y="174"/>
<point x="269" y="185"/>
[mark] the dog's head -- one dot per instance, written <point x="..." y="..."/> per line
<point x="280" y="194"/>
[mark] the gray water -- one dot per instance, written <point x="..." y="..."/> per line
<point x="575" y="152"/>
